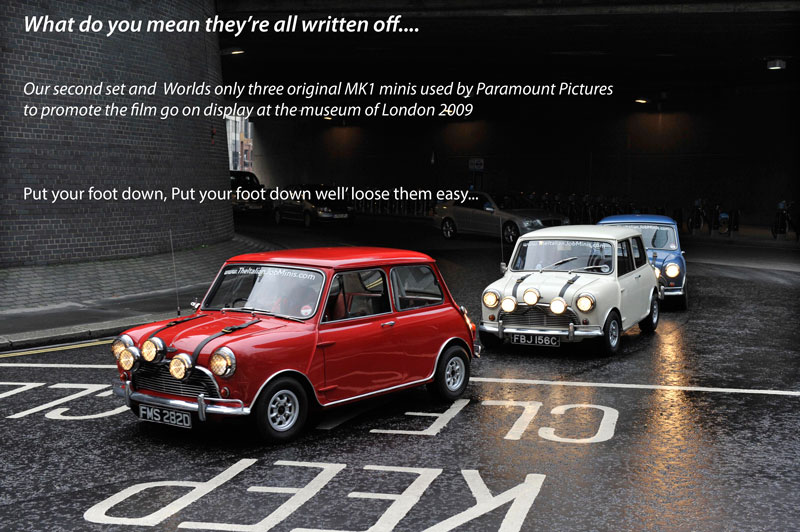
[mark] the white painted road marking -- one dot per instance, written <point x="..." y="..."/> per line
<point x="441" y="421"/>
<point x="791" y="393"/>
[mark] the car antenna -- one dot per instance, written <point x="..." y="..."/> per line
<point x="174" y="273"/>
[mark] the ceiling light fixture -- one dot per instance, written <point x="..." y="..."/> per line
<point x="640" y="100"/>
<point x="776" y="64"/>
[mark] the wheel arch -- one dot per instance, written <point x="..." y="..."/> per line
<point x="301" y="378"/>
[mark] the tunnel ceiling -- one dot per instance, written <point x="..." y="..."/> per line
<point x="673" y="51"/>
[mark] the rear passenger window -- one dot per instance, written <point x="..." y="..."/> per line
<point x="639" y="253"/>
<point x="624" y="262"/>
<point x="357" y="294"/>
<point x="415" y="287"/>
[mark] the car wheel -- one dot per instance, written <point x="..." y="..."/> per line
<point x="281" y="410"/>
<point x="452" y="374"/>
<point x="277" y="217"/>
<point x="489" y="340"/>
<point x="650" y="322"/>
<point x="307" y="219"/>
<point x="510" y="233"/>
<point x="612" y="333"/>
<point x="683" y="301"/>
<point x="448" y="228"/>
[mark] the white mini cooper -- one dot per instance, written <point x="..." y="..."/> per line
<point x="566" y="284"/>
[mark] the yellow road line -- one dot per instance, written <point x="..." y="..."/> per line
<point x="59" y="348"/>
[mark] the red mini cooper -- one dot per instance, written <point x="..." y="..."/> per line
<point x="281" y="332"/>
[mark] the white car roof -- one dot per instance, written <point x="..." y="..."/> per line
<point x="600" y="232"/>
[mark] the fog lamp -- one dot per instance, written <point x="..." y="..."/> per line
<point x="531" y="296"/>
<point x="153" y="349"/>
<point x="180" y="365"/>
<point x="558" y="305"/>
<point x="508" y="304"/>
<point x="129" y="358"/>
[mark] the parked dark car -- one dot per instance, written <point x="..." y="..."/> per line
<point x="317" y="206"/>
<point x="246" y="191"/>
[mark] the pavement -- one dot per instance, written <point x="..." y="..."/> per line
<point x="69" y="302"/>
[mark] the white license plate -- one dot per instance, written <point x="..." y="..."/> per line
<point x="539" y="340"/>
<point x="339" y="216"/>
<point x="176" y="418"/>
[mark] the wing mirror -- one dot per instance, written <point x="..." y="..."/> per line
<point x="503" y="268"/>
<point x="195" y="304"/>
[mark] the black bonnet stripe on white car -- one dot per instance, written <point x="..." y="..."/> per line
<point x="567" y="285"/>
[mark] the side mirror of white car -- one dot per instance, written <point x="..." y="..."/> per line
<point x="503" y="267"/>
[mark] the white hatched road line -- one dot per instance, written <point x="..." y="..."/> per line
<point x="635" y="386"/>
<point x="531" y="382"/>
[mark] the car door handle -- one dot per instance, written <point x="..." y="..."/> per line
<point x="621" y="290"/>
<point x="639" y="276"/>
<point x="387" y="324"/>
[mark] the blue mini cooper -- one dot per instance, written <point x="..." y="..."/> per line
<point x="663" y="245"/>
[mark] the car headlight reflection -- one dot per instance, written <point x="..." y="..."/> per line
<point x="658" y="271"/>
<point x="222" y="363"/>
<point x="180" y="366"/>
<point x="585" y="302"/>
<point x="153" y="349"/>
<point x="531" y="296"/>
<point x="508" y="304"/>
<point x="129" y="358"/>
<point x="558" y="305"/>
<point x="120" y="344"/>
<point x="672" y="270"/>
<point x="491" y="299"/>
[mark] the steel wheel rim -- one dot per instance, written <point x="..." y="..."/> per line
<point x="454" y="373"/>
<point x="613" y="333"/>
<point x="510" y="234"/>
<point x="447" y="228"/>
<point x="283" y="410"/>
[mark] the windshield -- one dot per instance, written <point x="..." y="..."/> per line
<point x="564" y="255"/>
<point x="276" y="290"/>
<point x="656" y="236"/>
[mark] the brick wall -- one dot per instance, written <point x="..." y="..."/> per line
<point x="138" y="152"/>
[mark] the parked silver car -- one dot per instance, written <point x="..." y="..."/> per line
<point x="509" y="215"/>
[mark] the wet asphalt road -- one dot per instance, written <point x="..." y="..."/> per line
<point x="673" y="433"/>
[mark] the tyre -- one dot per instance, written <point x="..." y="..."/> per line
<point x="277" y="216"/>
<point x="510" y="233"/>
<point x="683" y="301"/>
<point x="448" y="228"/>
<point x="281" y="410"/>
<point x="612" y="333"/>
<point x="650" y="322"/>
<point x="306" y="219"/>
<point x="489" y="340"/>
<point x="452" y="374"/>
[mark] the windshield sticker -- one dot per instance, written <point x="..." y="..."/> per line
<point x="572" y="243"/>
<point x="273" y="272"/>
<point x="306" y="310"/>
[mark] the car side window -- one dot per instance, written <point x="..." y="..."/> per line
<point x="639" y="252"/>
<point x="624" y="262"/>
<point x="415" y="287"/>
<point x="357" y="294"/>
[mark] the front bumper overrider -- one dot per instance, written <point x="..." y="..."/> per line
<point x="202" y="406"/>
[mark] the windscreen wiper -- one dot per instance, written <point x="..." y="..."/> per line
<point x="265" y="312"/>
<point x="601" y="266"/>
<point x="562" y="261"/>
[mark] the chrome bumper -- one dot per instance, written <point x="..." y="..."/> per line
<point x="673" y="291"/>
<point x="203" y="406"/>
<point x="572" y="333"/>
<point x="477" y="349"/>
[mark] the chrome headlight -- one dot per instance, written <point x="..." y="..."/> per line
<point x="508" y="304"/>
<point x="119" y="345"/>
<point x="558" y="305"/>
<point x="585" y="302"/>
<point x="180" y="366"/>
<point x="672" y="270"/>
<point x="153" y="349"/>
<point x="491" y="299"/>
<point x="222" y="363"/>
<point x="531" y="296"/>
<point x="129" y="358"/>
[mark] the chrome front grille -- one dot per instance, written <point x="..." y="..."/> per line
<point x="158" y="379"/>
<point x="537" y="316"/>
